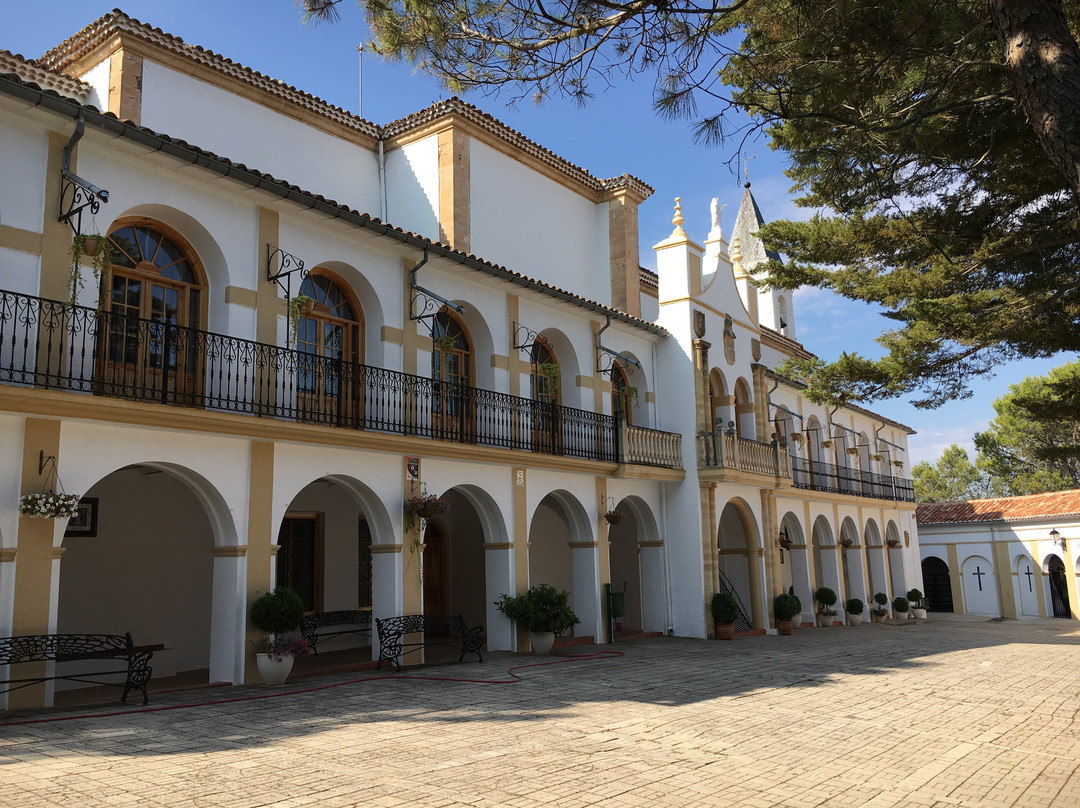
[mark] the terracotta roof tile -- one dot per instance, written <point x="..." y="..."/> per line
<point x="44" y="77"/>
<point x="1001" y="509"/>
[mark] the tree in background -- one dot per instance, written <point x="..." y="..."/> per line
<point x="954" y="477"/>
<point x="942" y="137"/>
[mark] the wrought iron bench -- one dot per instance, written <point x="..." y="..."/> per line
<point x="356" y="621"/>
<point x="448" y="631"/>
<point x="69" y="648"/>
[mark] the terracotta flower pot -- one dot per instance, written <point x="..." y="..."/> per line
<point x="91" y="245"/>
<point x="785" y="627"/>
<point x="725" y="631"/>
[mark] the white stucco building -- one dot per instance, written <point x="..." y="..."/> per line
<point x="510" y="342"/>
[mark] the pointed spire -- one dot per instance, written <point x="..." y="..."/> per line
<point x="747" y="222"/>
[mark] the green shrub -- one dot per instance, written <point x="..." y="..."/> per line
<point x="900" y="604"/>
<point x="791" y="591"/>
<point x="914" y="595"/>
<point x="785" y="607"/>
<point x="881" y="599"/>
<point x="724" y="608"/>
<point x="541" y="608"/>
<point x="827" y="599"/>
<point x="278" y="611"/>
<point x="854" y="606"/>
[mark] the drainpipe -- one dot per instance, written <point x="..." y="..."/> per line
<point x="382" y="181"/>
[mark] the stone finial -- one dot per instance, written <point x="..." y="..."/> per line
<point x="678" y="220"/>
<point x="736" y="255"/>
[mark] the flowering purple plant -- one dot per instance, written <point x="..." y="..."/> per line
<point x="280" y="647"/>
<point x="425" y="506"/>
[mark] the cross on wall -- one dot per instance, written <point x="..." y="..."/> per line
<point x="1029" y="575"/>
<point x="979" y="573"/>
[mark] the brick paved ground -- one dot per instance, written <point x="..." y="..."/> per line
<point x="939" y="714"/>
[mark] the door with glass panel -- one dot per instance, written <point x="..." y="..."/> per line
<point x="328" y="377"/>
<point x="453" y="415"/>
<point x="545" y="393"/>
<point x="151" y="312"/>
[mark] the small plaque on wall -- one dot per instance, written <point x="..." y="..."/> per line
<point x="84" y="522"/>
<point x="412" y="469"/>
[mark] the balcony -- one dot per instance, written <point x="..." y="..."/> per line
<point x="58" y="346"/>
<point x="721" y="450"/>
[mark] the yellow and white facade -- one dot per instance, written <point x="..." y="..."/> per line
<point x="226" y="440"/>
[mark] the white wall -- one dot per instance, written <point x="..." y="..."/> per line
<point x="412" y="187"/>
<point x="23" y="155"/>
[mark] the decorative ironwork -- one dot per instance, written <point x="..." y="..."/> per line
<point x="742" y="619"/>
<point x="77" y="648"/>
<point x="525" y="339"/>
<point x="606" y="358"/>
<point x="356" y="621"/>
<point x="60" y="346"/>
<point x="76" y="194"/>
<point x="819" y="476"/>
<point x="425" y="304"/>
<point x="451" y="632"/>
<point x="288" y="264"/>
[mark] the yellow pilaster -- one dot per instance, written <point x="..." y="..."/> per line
<point x="1003" y="566"/>
<point x="603" y="545"/>
<point x="261" y="541"/>
<point x="955" y="580"/>
<point x="34" y="556"/>
<point x="267" y="306"/>
<point x="1070" y="578"/>
<point x="520" y="483"/>
<point x="770" y="528"/>
<point x="56" y="236"/>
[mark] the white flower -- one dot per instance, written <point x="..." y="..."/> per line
<point x="49" y="505"/>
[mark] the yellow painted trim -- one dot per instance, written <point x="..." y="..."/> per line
<point x="392" y="549"/>
<point x="55" y="236"/>
<point x="580" y="545"/>
<point x="58" y="552"/>
<point x="956" y="581"/>
<point x="267" y="301"/>
<point x="499" y="545"/>
<point x="7" y="554"/>
<point x="239" y="551"/>
<point x="500" y="362"/>
<point x="583" y="381"/>
<point x="650" y="397"/>
<point x="391" y="335"/>
<point x="14" y="238"/>
<point x="650" y="543"/>
<point x="261" y="538"/>
<point x="248" y="298"/>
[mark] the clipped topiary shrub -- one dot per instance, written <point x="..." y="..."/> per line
<point x="278" y="611"/>
<point x="854" y="606"/>
<point x="785" y="607"/>
<point x="724" y="608"/>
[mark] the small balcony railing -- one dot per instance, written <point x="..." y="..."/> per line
<point x="725" y="450"/>
<point x="821" y="476"/>
<point x="53" y="345"/>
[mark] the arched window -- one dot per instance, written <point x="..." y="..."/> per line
<point x="154" y="293"/>
<point x="621" y="403"/>
<point x="452" y="372"/>
<point x="329" y="338"/>
<point x="545" y="387"/>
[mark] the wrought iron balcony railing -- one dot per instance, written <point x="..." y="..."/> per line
<point x="722" y="450"/>
<point x="821" y="476"/>
<point x="53" y="345"/>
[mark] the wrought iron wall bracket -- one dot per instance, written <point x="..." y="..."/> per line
<point x="288" y="264"/>
<point x="426" y="304"/>
<point x="606" y="358"/>
<point x="76" y="194"/>
<point x="525" y="339"/>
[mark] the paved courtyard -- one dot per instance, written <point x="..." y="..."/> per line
<point x="938" y="714"/>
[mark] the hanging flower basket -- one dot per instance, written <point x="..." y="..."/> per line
<point x="826" y="444"/>
<point x="877" y="457"/>
<point x="613" y="517"/>
<point x="424" y="506"/>
<point x="49" y="505"/>
<point x="898" y="463"/>
<point x="797" y="438"/>
<point x="852" y="450"/>
<point x="893" y="542"/>
<point x="846" y="541"/>
<point x="785" y="542"/>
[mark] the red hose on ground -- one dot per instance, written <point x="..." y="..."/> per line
<point x="513" y="679"/>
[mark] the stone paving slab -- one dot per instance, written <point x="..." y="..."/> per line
<point x="959" y="713"/>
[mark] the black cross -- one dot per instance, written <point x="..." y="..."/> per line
<point x="1028" y="574"/>
<point x="980" y="574"/>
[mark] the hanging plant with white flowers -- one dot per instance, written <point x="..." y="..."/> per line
<point x="49" y="505"/>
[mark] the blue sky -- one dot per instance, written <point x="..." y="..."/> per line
<point x="615" y="133"/>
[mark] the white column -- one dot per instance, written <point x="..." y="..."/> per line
<point x="586" y="569"/>
<point x="228" y="615"/>
<point x="499" y="580"/>
<point x="654" y="615"/>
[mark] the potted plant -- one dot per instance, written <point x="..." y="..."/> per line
<point x="628" y="395"/>
<point x="298" y="307"/>
<point x="613" y="517"/>
<point x="724" y="612"/>
<point x="543" y="611"/>
<point x="444" y="343"/>
<point x="854" y="609"/>
<point x="893" y="542"/>
<point x="96" y="247"/>
<point x="879" y="612"/>
<point x="826" y="599"/>
<point x="918" y="610"/>
<point x="877" y="457"/>
<point x="852" y="450"/>
<point x="797" y="438"/>
<point x="898" y="463"/>
<point x="425" y="506"/>
<point x="49" y="505"/>
<point x="846" y="541"/>
<point x="826" y="444"/>
<point x="550" y="371"/>
<point x="900" y="608"/>
<point x="278" y="613"/>
<point x="785" y="607"/>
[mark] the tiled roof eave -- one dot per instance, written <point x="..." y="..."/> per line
<point x="14" y="86"/>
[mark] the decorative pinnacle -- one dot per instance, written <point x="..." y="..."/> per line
<point x="678" y="220"/>
<point x="736" y="255"/>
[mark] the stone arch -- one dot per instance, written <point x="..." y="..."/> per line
<point x="826" y="563"/>
<point x="736" y="536"/>
<point x="563" y="552"/>
<point x="853" y="572"/>
<point x="877" y="562"/>
<point x="745" y="423"/>
<point x="637" y="569"/>
<point x="795" y="572"/>
<point x="979" y="586"/>
<point x="721" y="408"/>
<point x="1026" y="584"/>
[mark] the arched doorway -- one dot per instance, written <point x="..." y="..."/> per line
<point x="546" y="393"/>
<point x="156" y="292"/>
<point x="795" y="573"/>
<point x="1058" y="585"/>
<point x="563" y="553"/>
<point x="826" y="568"/>
<point x="895" y="555"/>
<point x="851" y="561"/>
<point x="980" y="587"/>
<point x="150" y="568"/>
<point x="329" y="342"/>
<point x="876" y="562"/>
<point x="1027" y="580"/>
<point x="624" y="396"/>
<point x="735" y="536"/>
<point x="938" y="584"/>
<point x="453" y="415"/>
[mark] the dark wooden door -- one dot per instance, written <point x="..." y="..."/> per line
<point x="1059" y="591"/>
<point x="435" y="571"/>
<point x="935" y="573"/>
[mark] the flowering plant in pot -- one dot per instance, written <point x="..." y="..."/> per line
<point x="543" y="611"/>
<point x="277" y="613"/>
<point x="724" y="611"/>
<point x="785" y="607"/>
<point x="854" y="609"/>
<point x="893" y="542"/>
<point x="826" y="444"/>
<point x="918" y="610"/>
<point x="425" y="506"/>
<point x="826" y="599"/>
<point x="49" y="505"/>
<point x="613" y="517"/>
<point x="879" y="612"/>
